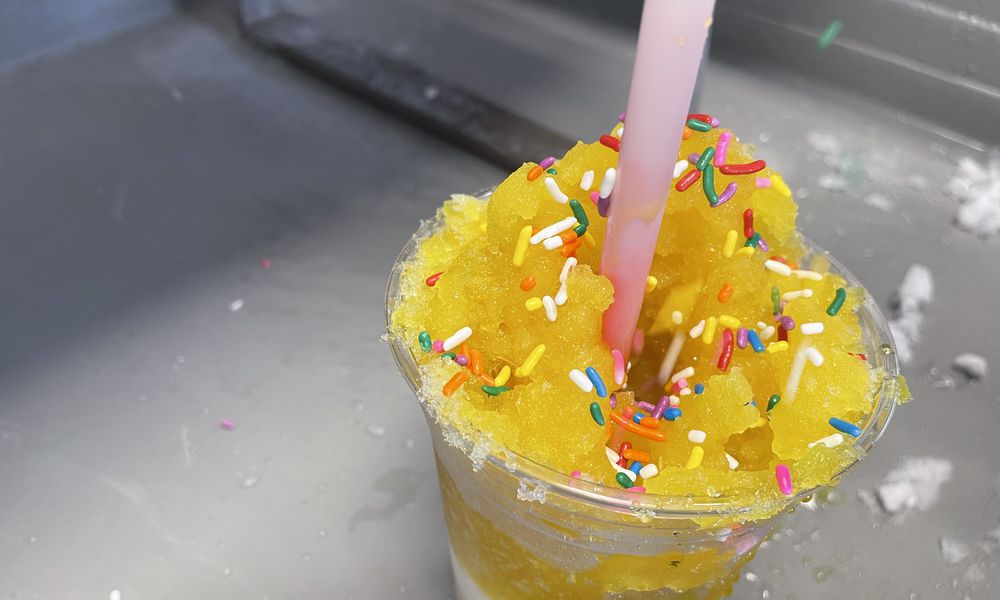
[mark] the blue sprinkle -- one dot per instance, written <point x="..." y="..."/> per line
<point x="595" y="378"/>
<point x="758" y="346"/>
<point x="637" y="417"/>
<point x="843" y="426"/>
<point x="672" y="414"/>
<point x="699" y="388"/>
<point x="635" y="466"/>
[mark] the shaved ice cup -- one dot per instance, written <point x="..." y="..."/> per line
<point x="521" y="530"/>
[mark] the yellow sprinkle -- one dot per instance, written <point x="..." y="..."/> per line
<point x="730" y="246"/>
<point x="521" y="248"/>
<point x="589" y="241"/>
<point x="677" y="317"/>
<point x="729" y="321"/>
<point x="694" y="459"/>
<point x="529" y="363"/>
<point x="745" y="251"/>
<point x="709" y="335"/>
<point x="780" y="186"/>
<point x="533" y="303"/>
<point x="651" y="283"/>
<point x="502" y="376"/>
<point x="777" y="347"/>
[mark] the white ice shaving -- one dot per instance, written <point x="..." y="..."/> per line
<point x="976" y="187"/>
<point x="973" y="366"/>
<point x="914" y="294"/>
<point x="534" y="491"/>
<point x="952" y="550"/>
<point x="914" y="485"/>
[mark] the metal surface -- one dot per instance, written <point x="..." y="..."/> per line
<point x="147" y="175"/>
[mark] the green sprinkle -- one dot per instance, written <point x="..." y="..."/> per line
<point x="708" y="186"/>
<point x="752" y="240"/>
<point x="773" y="401"/>
<point x="552" y="172"/>
<point x="705" y="158"/>
<point x="495" y="390"/>
<point x="775" y="300"/>
<point x="832" y="30"/>
<point x="579" y="230"/>
<point x="838" y="301"/>
<point x="698" y="125"/>
<point x="623" y="480"/>
<point x="595" y="411"/>
<point x="425" y="341"/>
<point x="579" y="213"/>
<point x="450" y="355"/>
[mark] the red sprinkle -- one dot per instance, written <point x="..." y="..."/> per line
<point x="611" y="142"/>
<point x="727" y="349"/>
<point x="433" y="279"/>
<point x="622" y="461"/>
<point x="861" y="356"/>
<point x="706" y="119"/>
<point x="782" y="333"/>
<point x="748" y="168"/>
<point x="748" y="223"/>
<point x="687" y="180"/>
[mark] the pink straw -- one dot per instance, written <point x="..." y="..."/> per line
<point x="671" y="42"/>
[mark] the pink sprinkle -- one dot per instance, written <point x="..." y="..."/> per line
<point x="619" y="360"/>
<point x="727" y="194"/>
<point x="595" y="197"/>
<point x="226" y="424"/>
<point x="638" y="489"/>
<point x="741" y="338"/>
<point x="265" y="263"/>
<point x="462" y="360"/>
<point x="613" y="400"/>
<point x="721" y="148"/>
<point x="784" y="477"/>
<point x="646" y="406"/>
<point x="547" y="162"/>
<point x="576" y="474"/>
<point x="693" y="158"/>
<point x="682" y="383"/>
<point x="638" y="341"/>
<point x="763" y="182"/>
<point x="715" y="122"/>
<point x="621" y="117"/>
<point x="437" y="346"/>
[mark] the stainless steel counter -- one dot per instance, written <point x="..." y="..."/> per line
<point x="146" y="176"/>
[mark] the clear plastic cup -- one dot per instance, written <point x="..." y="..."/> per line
<point x="521" y="530"/>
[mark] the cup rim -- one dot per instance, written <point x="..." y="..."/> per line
<point x="881" y="353"/>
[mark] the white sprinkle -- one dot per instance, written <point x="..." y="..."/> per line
<point x="680" y="167"/>
<point x="973" y="366"/>
<point x="677" y="317"/>
<point x="457" y="338"/>
<point x="553" y="229"/>
<point x="795" y="374"/>
<point x="673" y="401"/>
<point x="767" y="333"/>
<point x="814" y="356"/>
<point x="562" y="295"/>
<point x="789" y="296"/>
<point x="697" y="436"/>
<point x="811" y="328"/>
<point x="555" y="192"/>
<point x="777" y="267"/>
<point x="685" y="392"/>
<point x="612" y="455"/>
<point x="582" y="381"/>
<point x="587" y="181"/>
<point x="698" y="329"/>
<point x="235" y="305"/>
<point x="811" y="275"/>
<point x="608" y="183"/>
<point x="733" y="463"/>
<point x="553" y="242"/>
<point x="648" y="471"/>
<point x="831" y="441"/>
<point x="761" y="325"/>
<point x="682" y="374"/>
<point x="670" y="357"/>
<point x="550" y="308"/>
<point x="569" y="264"/>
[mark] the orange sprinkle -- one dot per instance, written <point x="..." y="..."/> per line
<point x="528" y="283"/>
<point x="476" y="362"/>
<point x="568" y="236"/>
<point x="487" y="380"/>
<point x="651" y="434"/>
<point x="569" y="249"/>
<point x="782" y="259"/>
<point x="639" y="455"/>
<point x="628" y="411"/>
<point x="464" y="349"/>
<point x="535" y="172"/>
<point x="650" y="422"/>
<point x="725" y="293"/>
<point x="455" y="382"/>
<point x="688" y="132"/>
